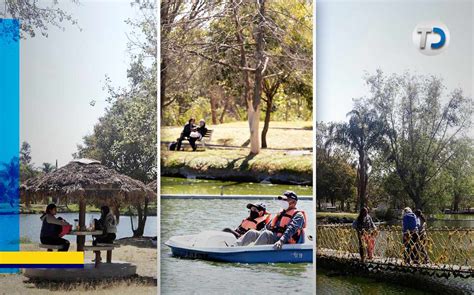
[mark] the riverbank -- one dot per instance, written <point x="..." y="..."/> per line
<point x="335" y="217"/>
<point x="144" y="283"/>
<point x="284" y="167"/>
<point x="74" y="208"/>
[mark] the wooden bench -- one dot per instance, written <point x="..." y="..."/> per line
<point x="206" y="138"/>
<point x="50" y="248"/>
<point x="101" y="247"/>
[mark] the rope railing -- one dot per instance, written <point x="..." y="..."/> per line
<point x="436" y="249"/>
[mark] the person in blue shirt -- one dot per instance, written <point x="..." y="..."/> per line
<point x="410" y="225"/>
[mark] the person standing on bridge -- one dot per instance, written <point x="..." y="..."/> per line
<point x="422" y="238"/>
<point x="410" y="225"/>
<point x="287" y="227"/>
<point x="366" y="232"/>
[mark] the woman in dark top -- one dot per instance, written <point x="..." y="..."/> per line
<point x="202" y="128"/>
<point x="108" y="224"/>
<point x="186" y="134"/>
<point x="51" y="228"/>
<point x="366" y="231"/>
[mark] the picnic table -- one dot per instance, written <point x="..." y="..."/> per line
<point x="81" y="236"/>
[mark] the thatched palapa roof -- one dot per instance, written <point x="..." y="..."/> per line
<point x="86" y="179"/>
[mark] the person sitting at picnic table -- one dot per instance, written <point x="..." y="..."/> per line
<point x="410" y="226"/>
<point x="366" y="231"/>
<point x="287" y="227"/>
<point x="190" y="133"/>
<point x="257" y="220"/>
<point x="52" y="227"/>
<point x="108" y="224"/>
<point x="202" y="128"/>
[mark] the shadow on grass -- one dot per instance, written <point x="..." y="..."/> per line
<point x="245" y="163"/>
<point x="143" y="281"/>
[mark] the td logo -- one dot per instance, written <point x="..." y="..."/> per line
<point x="431" y="38"/>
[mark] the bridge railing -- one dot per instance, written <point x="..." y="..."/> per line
<point x="438" y="247"/>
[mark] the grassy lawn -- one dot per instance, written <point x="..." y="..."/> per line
<point x="281" y="135"/>
<point x="266" y="161"/>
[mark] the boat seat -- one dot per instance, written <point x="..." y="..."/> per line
<point x="50" y="247"/>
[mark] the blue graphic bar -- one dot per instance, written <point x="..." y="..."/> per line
<point x="9" y="137"/>
<point x="41" y="266"/>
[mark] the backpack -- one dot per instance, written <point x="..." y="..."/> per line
<point x="172" y="146"/>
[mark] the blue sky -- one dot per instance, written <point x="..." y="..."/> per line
<point x="61" y="74"/>
<point x="9" y="94"/>
<point x="355" y="37"/>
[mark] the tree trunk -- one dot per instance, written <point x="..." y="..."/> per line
<point x="254" y="121"/>
<point x="163" y="72"/>
<point x="254" y="107"/>
<point x="362" y="181"/>
<point x="142" y="216"/>
<point x="456" y="201"/>
<point x="81" y="240"/>
<point x="266" y="124"/>
<point x="226" y="104"/>
<point x="214" y="107"/>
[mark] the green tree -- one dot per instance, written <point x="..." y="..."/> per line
<point x="335" y="174"/>
<point x="461" y="174"/>
<point x="47" y="168"/>
<point x="35" y="17"/>
<point x="26" y="167"/>
<point x="125" y="137"/>
<point x="421" y="129"/>
<point x="363" y="134"/>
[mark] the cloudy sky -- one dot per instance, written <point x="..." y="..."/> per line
<point x="356" y="37"/>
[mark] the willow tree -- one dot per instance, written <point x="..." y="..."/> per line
<point x="423" y="122"/>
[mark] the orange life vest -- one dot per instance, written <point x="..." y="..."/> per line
<point x="281" y="221"/>
<point x="248" y="224"/>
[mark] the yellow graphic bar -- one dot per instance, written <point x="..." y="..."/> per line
<point x="45" y="258"/>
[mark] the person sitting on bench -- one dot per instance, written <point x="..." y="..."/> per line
<point x="52" y="227"/>
<point x="186" y="134"/>
<point x="202" y="128"/>
<point x="108" y="224"/>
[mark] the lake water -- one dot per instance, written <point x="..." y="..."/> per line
<point x="174" y="185"/>
<point x="183" y="276"/>
<point x="30" y="225"/>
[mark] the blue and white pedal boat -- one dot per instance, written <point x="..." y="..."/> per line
<point x="219" y="246"/>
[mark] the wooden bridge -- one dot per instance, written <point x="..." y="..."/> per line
<point x="449" y="251"/>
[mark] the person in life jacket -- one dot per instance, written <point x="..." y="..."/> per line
<point x="287" y="227"/>
<point x="258" y="218"/>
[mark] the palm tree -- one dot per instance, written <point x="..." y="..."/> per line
<point x="48" y="167"/>
<point x="363" y="134"/>
<point x="10" y="179"/>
